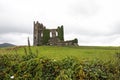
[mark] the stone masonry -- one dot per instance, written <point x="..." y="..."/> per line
<point x="52" y="37"/>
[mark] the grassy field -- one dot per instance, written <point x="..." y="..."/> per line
<point x="82" y="63"/>
<point x="55" y="52"/>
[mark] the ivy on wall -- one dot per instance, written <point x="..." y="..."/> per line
<point x="46" y="36"/>
<point x="75" y="40"/>
<point x="61" y="33"/>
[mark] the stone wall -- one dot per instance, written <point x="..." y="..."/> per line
<point x="44" y="36"/>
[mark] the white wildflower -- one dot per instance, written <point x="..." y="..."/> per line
<point x="12" y="77"/>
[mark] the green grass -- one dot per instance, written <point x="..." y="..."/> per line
<point x="82" y="52"/>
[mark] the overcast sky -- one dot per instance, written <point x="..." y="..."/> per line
<point x="93" y="22"/>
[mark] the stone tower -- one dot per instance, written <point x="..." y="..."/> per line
<point x="38" y="33"/>
<point x="43" y="36"/>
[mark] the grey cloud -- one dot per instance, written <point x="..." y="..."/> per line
<point x="85" y="7"/>
<point x="93" y="31"/>
<point x="116" y="29"/>
<point x="89" y="32"/>
<point x="15" y="28"/>
<point x="15" y="19"/>
<point x="100" y="40"/>
<point x="111" y="40"/>
<point x="16" y="38"/>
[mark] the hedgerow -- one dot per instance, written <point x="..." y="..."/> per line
<point x="30" y="67"/>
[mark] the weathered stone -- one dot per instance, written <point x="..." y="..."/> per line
<point x="54" y="39"/>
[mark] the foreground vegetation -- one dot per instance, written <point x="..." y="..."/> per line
<point x="55" y="52"/>
<point x="60" y="63"/>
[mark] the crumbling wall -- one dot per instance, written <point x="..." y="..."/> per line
<point x="43" y="36"/>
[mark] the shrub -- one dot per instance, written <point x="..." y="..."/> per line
<point x="30" y="67"/>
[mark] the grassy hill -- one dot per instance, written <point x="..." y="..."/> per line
<point x="55" y="52"/>
<point x="6" y="45"/>
<point x="60" y="63"/>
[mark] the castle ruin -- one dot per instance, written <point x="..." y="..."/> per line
<point x="44" y="36"/>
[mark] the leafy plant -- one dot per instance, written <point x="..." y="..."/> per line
<point x="46" y="36"/>
<point x="61" y="33"/>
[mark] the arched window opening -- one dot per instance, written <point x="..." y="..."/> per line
<point x="41" y="34"/>
<point x="50" y="34"/>
<point x="56" y="33"/>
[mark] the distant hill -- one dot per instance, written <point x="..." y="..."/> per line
<point x="6" y="45"/>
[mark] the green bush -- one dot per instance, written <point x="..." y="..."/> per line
<point x="70" y="68"/>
